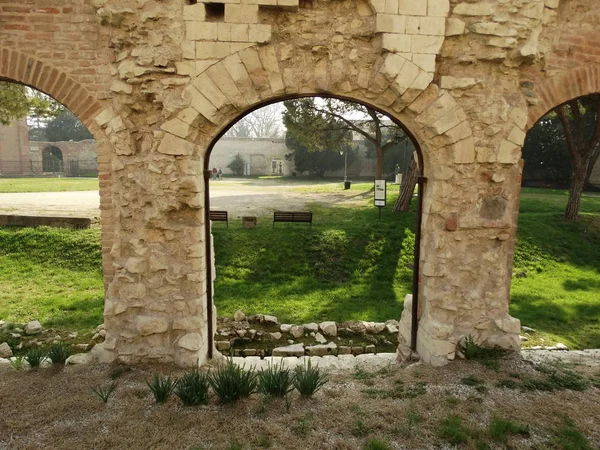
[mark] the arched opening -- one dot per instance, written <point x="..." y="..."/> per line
<point x="279" y="170"/>
<point x="51" y="257"/>
<point x="556" y="265"/>
<point x="52" y="159"/>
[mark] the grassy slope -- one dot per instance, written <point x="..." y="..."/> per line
<point x="347" y="266"/>
<point x="560" y="296"/>
<point x="10" y="185"/>
<point x="53" y="275"/>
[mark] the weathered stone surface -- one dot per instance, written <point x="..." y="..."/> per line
<point x="80" y="358"/>
<point x="147" y="325"/>
<point x="297" y="331"/>
<point x="321" y="350"/>
<point x="33" y="327"/>
<point x="328" y="328"/>
<point x="238" y="316"/>
<point x="290" y="350"/>
<point x="167" y="80"/>
<point x="5" y="350"/>
<point x="311" y="327"/>
<point x="320" y="338"/>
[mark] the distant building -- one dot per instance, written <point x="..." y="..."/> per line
<point x="14" y="149"/>
<point x="21" y="157"/>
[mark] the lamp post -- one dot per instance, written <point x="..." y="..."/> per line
<point x="346" y="182"/>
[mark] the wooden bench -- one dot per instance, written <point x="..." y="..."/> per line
<point x="219" y="216"/>
<point x="292" y="216"/>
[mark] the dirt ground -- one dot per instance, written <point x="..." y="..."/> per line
<point x="238" y="196"/>
<point x="404" y="407"/>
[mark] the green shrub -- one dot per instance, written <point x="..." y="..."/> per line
<point x="309" y="380"/>
<point x="161" y="387"/>
<point x="17" y="362"/>
<point x="453" y="430"/>
<point x="104" y="392"/>
<point x="35" y="357"/>
<point x="192" y="388"/>
<point x="500" y="429"/>
<point x="569" y="380"/>
<point x="275" y="381"/>
<point x="470" y="348"/>
<point x="59" y="352"/>
<point x="232" y="383"/>
<point x="377" y="444"/>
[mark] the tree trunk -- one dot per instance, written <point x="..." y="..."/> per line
<point x="407" y="188"/>
<point x="575" y="190"/>
<point x="379" y="171"/>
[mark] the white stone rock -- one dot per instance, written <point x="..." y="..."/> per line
<point x="391" y="328"/>
<point x="271" y="320"/>
<point x="527" y="329"/>
<point x="276" y="335"/>
<point x="320" y="338"/>
<point x="99" y="327"/>
<point x="290" y="350"/>
<point x="285" y="327"/>
<point x="311" y="327"/>
<point x="297" y="331"/>
<point x="321" y="350"/>
<point x="5" y="350"/>
<point x="191" y="342"/>
<point x="328" y="328"/>
<point x="147" y="325"/>
<point x="561" y="346"/>
<point x="33" y="327"/>
<point x="238" y="316"/>
<point x="80" y="358"/>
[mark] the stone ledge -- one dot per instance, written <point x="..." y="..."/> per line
<point x="46" y="221"/>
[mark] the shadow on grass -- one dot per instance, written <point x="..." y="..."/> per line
<point x="347" y="266"/>
<point x="583" y="284"/>
<point x="579" y="321"/>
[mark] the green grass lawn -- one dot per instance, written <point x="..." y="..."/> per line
<point x="348" y="265"/>
<point x="11" y="185"/>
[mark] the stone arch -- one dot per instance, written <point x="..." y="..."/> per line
<point x="570" y="84"/>
<point x="25" y="69"/>
<point x="256" y="76"/>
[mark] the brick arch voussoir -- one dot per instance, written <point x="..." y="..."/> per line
<point x="556" y="91"/>
<point x="23" y="68"/>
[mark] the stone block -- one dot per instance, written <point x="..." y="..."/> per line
<point x="454" y="27"/>
<point x="290" y="350"/>
<point x="201" y="31"/>
<point x="328" y="328"/>
<point x="427" y="44"/>
<point x="238" y="13"/>
<point x="412" y="7"/>
<point x="474" y="9"/>
<point x="438" y="8"/>
<point x="148" y="325"/>
<point x="390" y="23"/>
<point x="433" y="26"/>
<point x="396" y="42"/>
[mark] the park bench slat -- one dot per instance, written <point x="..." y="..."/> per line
<point x="219" y="216"/>
<point x="293" y="216"/>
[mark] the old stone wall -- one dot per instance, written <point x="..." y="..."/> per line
<point x="14" y="149"/>
<point x="465" y="78"/>
<point x="84" y="152"/>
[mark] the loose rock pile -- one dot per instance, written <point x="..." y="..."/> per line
<point x="262" y="335"/>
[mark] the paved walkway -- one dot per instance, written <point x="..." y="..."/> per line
<point x="73" y="204"/>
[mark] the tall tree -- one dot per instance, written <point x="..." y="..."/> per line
<point x="314" y="124"/>
<point x="262" y="123"/>
<point x="66" y="127"/>
<point x="318" y="163"/>
<point x="18" y="101"/>
<point x="583" y="145"/>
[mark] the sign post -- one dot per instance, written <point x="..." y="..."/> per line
<point x="380" y="195"/>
